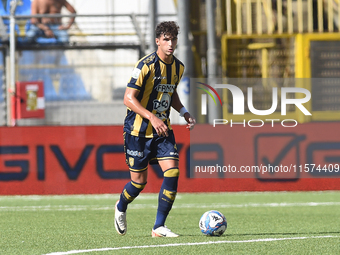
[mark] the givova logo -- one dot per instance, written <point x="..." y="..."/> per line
<point x="204" y="97"/>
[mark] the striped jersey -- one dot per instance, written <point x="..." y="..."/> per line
<point x="156" y="82"/>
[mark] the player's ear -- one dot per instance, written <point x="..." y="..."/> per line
<point x="157" y="41"/>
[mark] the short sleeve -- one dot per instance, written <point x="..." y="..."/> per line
<point x="137" y="77"/>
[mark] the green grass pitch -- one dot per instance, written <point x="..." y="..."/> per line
<point x="258" y="223"/>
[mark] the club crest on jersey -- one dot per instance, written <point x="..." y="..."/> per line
<point x="167" y="88"/>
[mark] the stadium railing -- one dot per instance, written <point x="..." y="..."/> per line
<point x="84" y="78"/>
<point x="289" y="40"/>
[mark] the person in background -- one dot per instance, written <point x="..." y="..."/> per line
<point x="48" y="26"/>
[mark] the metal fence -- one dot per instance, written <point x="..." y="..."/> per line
<point x="82" y="87"/>
<point x="281" y="16"/>
<point x="84" y="79"/>
<point x="2" y="90"/>
<point x="286" y="39"/>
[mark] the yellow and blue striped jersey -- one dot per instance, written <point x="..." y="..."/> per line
<point x="156" y="82"/>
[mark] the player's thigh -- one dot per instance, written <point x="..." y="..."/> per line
<point x="137" y="153"/>
<point x="166" y="151"/>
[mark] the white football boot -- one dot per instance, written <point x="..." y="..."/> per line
<point x="163" y="231"/>
<point x="120" y="221"/>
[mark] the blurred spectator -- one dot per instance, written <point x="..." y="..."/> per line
<point x="47" y="26"/>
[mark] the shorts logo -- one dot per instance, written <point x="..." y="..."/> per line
<point x="135" y="153"/>
<point x="131" y="161"/>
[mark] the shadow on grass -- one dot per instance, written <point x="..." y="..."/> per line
<point x="286" y="234"/>
<point x="272" y="234"/>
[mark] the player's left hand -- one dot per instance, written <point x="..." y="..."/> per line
<point x="190" y="120"/>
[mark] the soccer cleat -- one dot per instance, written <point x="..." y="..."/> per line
<point x="163" y="231"/>
<point x="120" y="221"/>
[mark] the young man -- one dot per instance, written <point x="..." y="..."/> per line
<point x="148" y="135"/>
<point x="47" y="26"/>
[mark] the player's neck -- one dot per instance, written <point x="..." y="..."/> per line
<point x="165" y="58"/>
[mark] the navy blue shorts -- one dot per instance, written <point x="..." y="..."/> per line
<point x="140" y="151"/>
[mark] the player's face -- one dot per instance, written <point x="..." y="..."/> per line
<point x="166" y="44"/>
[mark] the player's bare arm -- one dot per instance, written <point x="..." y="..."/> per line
<point x="130" y="100"/>
<point x="177" y="105"/>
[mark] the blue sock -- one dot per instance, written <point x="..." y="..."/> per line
<point x="167" y="196"/>
<point x="130" y="192"/>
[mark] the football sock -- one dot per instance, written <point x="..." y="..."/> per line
<point x="130" y="192"/>
<point x="167" y="196"/>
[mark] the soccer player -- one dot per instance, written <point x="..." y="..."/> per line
<point x="148" y="136"/>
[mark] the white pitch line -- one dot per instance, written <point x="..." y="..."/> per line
<point x="190" y="244"/>
<point x="152" y="206"/>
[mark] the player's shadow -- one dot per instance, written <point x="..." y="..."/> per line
<point x="259" y="234"/>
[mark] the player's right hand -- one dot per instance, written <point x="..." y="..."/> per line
<point x="159" y="126"/>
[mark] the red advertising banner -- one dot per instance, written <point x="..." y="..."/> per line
<point x="91" y="160"/>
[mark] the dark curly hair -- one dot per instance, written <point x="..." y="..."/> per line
<point x="167" y="28"/>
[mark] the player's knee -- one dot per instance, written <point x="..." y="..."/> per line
<point x="132" y="190"/>
<point x="139" y="186"/>
<point x="139" y="176"/>
<point x="172" y="172"/>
